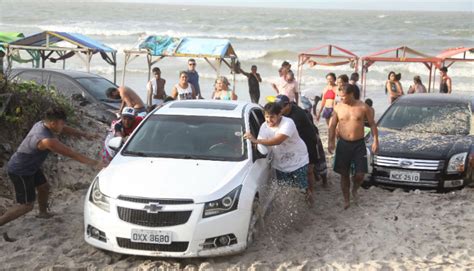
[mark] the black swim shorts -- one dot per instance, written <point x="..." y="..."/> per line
<point x="348" y="152"/>
<point x="25" y="186"/>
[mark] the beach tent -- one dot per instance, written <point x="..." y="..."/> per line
<point x="45" y="44"/>
<point x="326" y="55"/>
<point x="401" y="54"/>
<point x="7" y="37"/>
<point x="452" y="55"/>
<point x="156" y="48"/>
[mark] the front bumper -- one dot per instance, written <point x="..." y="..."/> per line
<point x="187" y="238"/>
<point x="428" y="179"/>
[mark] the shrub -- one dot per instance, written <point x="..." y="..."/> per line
<point x="27" y="105"/>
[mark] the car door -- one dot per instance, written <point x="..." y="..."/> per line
<point x="65" y="86"/>
<point x="261" y="166"/>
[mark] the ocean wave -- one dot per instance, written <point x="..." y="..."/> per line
<point x="264" y="54"/>
<point x="381" y="16"/>
<point x="173" y="33"/>
<point x="458" y="70"/>
<point x="92" y="31"/>
<point x="250" y="54"/>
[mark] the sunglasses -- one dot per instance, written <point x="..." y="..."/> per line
<point x="192" y="64"/>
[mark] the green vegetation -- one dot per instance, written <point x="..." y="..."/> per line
<point x="28" y="102"/>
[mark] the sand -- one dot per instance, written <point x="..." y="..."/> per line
<point x="388" y="230"/>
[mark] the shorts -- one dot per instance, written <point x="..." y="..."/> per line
<point x="348" y="152"/>
<point x="254" y="96"/>
<point x="297" y="178"/>
<point x="327" y="112"/>
<point x="25" y="186"/>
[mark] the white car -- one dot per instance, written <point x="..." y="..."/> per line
<point x="185" y="184"/>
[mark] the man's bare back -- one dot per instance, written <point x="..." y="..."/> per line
<point x="130" y="98"/>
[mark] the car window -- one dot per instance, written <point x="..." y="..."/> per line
<point x="260" y="116"/>
<point x="38" y="77"/>
<point x="189" y="137"/>
<point x="254" y="123"/>
<point x="64" y="85"/>
<point x="449" y="119"/>
<point x="96" y="86"/>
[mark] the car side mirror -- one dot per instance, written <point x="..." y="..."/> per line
<point x="115" y="143"/>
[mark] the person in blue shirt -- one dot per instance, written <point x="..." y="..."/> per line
<point x="193" y="77"/>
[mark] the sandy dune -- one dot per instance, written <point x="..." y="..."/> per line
<point x="387" y="230"/>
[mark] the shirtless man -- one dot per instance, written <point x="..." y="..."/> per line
<point x="129" y="98"/>
<point x="445" y="86"/>
<point x="349" y="116"/>
<point x="155" y="89"/>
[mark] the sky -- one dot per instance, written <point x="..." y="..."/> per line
<point x="416" y="5"/>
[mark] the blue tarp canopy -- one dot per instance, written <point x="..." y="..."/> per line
<point x="188" y="47"/>
<point x="48" y="38"/>
<point x="158" y="47"/>
<point x="46" y="43"/>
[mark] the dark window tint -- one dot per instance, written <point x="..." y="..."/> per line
<point x="96" y="86"/>
<point x="254" y="123"/>
<point x="189" y="137"/>
<point x="64" y="85"/>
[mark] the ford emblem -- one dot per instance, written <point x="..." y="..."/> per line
<point x="153" y="207"/>
<point x="406" y="163"/>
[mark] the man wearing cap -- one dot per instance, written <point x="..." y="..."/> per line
<point x="24" y="167"/>
<point x="290" y="156"/>
<point x="128" y="122"/>
<point x="120" y="128"/>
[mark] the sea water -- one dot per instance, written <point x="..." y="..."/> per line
<point x="261" y="36"/>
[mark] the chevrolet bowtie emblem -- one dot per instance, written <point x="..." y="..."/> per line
<point x="153" y="207"/>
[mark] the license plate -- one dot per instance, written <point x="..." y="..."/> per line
<point x="404" y="176"/>
<point x="151" y="237"/>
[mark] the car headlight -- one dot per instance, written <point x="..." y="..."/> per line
<point x="98" y="198"/>
<point x="456" y="163"/>
<point x="223" y="205"/>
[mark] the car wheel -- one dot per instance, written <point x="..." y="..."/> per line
<point x="254" y="219"/>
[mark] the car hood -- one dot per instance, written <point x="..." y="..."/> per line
<point x="421" y="145"/>
<point x="200" y="180"/>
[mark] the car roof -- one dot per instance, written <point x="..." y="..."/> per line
<point x="423" y="98"/>
<point x="68" y="73"/>
<point x="214" y="108"/>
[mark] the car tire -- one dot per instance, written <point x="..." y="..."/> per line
<point x="255" y="217"/>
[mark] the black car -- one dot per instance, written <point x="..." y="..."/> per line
<point x="86" y="88"/>
<point x="425" y="142"/>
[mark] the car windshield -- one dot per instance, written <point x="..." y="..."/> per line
<point x="447" y="119"/>
<point x="189" y="137"/>
<point x="97" y="87"/>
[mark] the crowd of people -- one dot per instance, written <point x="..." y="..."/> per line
<point x="289" y="130"/>
<point x="394" y="88"/>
